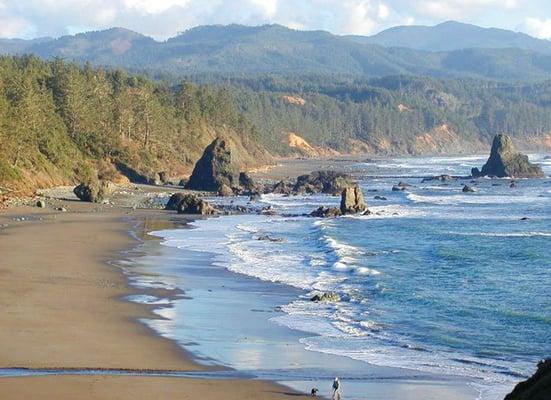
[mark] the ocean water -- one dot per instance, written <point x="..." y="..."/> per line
<point x="434" y="280"/>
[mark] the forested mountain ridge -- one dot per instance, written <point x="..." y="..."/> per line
<point x="452" y="35"/>
<point x="61" y="123"/>
<point x="265" y="49"/>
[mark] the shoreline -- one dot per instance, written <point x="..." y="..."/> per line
<point x="58" y="316"/>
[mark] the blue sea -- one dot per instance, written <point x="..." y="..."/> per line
<point x="434" y="280"/>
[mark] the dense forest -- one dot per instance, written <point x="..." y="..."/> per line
<point x="393" y="115"/>
<point x="61" y="122"/>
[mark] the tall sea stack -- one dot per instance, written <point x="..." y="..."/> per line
<point x="504" y="162"/>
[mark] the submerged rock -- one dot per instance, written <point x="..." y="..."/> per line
<point x="328" y="296"/>
<point x="215" y="168"/>
<point x="504" y="162"/>
<point x="352" y="201"/>
<point x="467" y="189"/>
<point x="537" y="387"/>
<point x="326" y="212"/>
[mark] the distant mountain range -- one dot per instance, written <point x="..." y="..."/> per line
<point x="448" y="50"/>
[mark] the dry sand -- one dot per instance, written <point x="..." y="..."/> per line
<point x="61" y="307"/>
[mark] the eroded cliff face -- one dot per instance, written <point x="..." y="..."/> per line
<point x="537" y="387"/>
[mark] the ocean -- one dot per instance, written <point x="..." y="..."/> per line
<point x="434" y="280"/>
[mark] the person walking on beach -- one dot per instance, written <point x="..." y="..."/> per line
<point x="336" y="390"/>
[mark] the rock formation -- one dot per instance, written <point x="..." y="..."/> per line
<point x="326" y="212"/>
<point x="467" y="189"/>
<point x="94" y="192"/>
<point x="352" y="201"/>
<point x="537" y="387"/>
<point x="215" y="168"/>
<point x="504" y="161"/>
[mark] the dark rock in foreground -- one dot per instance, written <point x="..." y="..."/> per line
<point x="189" y="204"/>
<point x="537" y="387"/>
<point x="352" y="201"/>
<point x="326" y="212"/>
<point x="214" y="169"/>
<point x="467" y="189"/>
<point x="504" y="162"/>
<point x="94" y="192"/>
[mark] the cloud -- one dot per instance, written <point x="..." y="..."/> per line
<point x="540" y="28"/>
<point x="164" y="18"/>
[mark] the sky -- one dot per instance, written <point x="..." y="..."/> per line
<point x="162" y="19"/>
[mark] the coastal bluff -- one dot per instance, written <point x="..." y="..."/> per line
<point x="505" y="161"/>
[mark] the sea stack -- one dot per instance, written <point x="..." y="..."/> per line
<point x="215" y="168"/>
<point x="505" y="161"/>
<point x="352" y="201"/>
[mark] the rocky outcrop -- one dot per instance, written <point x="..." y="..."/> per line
<point x="505" y="161"/>
<point x="94" y="192"/>
<point x="352" y="201"/>
<point x="247" y="184"/>
<point x="215" y="168"/>
<point x="329" y="182"/>
<point x="537" y="387"/>
<point x="189" y="204"/>
<point x="441" y="178"/>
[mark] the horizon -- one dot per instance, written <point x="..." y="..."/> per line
<point x="30" y="19"/>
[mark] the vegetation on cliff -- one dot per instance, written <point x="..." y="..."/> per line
<point x="61" y="123"/>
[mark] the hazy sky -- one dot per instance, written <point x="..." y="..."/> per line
<point x="165" y="18"/>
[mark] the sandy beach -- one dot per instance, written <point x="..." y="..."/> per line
<point x="62" y="308"/>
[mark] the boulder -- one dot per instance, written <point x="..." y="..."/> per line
<point x="94" y="192"/>
<point x="326" y="212"/>
<point x="174" y="201"/>
<point x="352" y="201"/>
<point x="467" y="189"/>
<point x="215" y="168"/>
<point x="504" y="161"/>
<point x="330" y="182"/>
<point x="191" y="204"/>
<point x="225" y="191"/>
<point x="537" y="387"/>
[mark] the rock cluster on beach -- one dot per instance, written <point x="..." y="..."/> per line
<point x="505" y="161"/>
<point x="537" y="387"/>
<point x="218" y="171"/>
<point x="328" y="182"/>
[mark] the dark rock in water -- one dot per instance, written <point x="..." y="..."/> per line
<point x="352" y="201"/>
<point x="270" y="239"/>
<point x="330" y="182"/>
<point x="328" y="296"/>
<point x="326" y="212"/>
<point x="504" y="161"/>
<point x="255" y="197"/>
<point x="537" y="387"/>
<point x="524" y="219"/>
<point x="467" y="189"/>
<point x="441" y="178"/>
<point x="41" y="204"/>
<point x="215" y="168"/>
<point x="94" y="192"/>
<point x="248" y="185"/>
<point x="513" y="185"/>
<point x="281" y="187"/>
<point x="397" y="188"/>
<point x="225" y="191"/>
<point x="380" y="198"/>
<point x="547" y="158"/>
<point x="191" y="204"/>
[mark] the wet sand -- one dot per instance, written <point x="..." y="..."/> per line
<point x="61" y="307"/>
